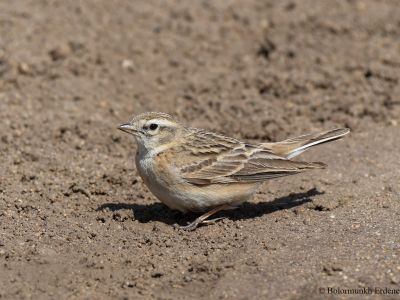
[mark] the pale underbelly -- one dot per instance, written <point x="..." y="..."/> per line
<point x="183" y="196"/>
<point x="187" y="197"/>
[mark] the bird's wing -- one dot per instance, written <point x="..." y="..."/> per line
<point x="229" y="160"/>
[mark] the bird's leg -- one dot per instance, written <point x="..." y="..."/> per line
<point x="203" y="217"/>
<point x="212" y="221"/>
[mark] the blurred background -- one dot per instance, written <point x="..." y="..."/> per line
<point x="71" y="71"/>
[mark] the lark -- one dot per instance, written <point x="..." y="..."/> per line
<point x="195" y="170"/>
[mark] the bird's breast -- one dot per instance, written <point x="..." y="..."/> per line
<point x="164" y="180"/>
<point x="161" y="178"/>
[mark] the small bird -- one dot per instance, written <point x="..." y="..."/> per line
<point x="191" y="169"/>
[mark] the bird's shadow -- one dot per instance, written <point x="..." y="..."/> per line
<point x="145" y="213"/>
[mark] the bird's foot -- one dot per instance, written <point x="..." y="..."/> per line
<point x="193" y="225"/>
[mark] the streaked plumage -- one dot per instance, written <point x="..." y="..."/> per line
<point x="192" y="169"/>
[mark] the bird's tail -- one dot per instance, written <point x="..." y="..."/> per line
<point x="292" y="147"/>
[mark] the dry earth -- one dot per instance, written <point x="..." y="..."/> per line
<point x="76" y="222"/>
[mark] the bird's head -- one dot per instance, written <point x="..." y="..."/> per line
<point x="153" y="130"/>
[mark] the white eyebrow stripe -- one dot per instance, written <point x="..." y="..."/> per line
<point x="161" y="122"/>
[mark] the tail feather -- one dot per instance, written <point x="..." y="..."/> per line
<point x="294" y="146"/>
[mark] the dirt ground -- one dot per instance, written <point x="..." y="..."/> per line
<point x="76" y="221"/>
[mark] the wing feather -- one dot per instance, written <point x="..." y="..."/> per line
<point x="245" y="163"/>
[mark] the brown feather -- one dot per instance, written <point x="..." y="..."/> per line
<point x="295" y="146"/>
<point x="226" y="160"/>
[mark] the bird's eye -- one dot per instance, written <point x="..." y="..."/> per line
<point x="153" y="126"/>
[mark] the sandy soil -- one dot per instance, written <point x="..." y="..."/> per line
<point x="77" y="222"/>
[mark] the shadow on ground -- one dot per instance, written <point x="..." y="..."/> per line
<point x="159" y="212"/>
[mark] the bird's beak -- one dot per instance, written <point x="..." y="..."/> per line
<point x="128" y="128"/>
